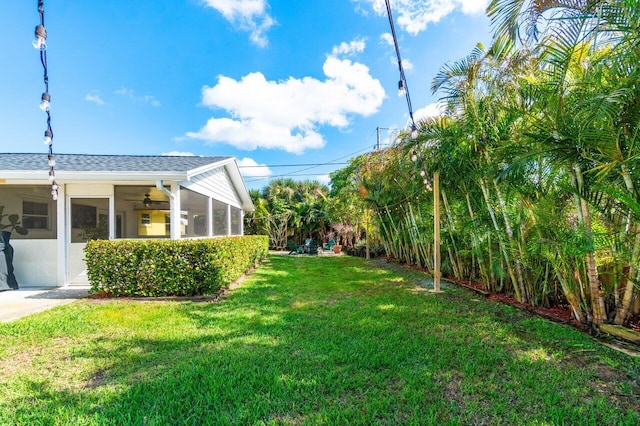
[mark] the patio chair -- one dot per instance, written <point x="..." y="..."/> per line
<point x="312" y="248"/>
<point x="292" y="247"/>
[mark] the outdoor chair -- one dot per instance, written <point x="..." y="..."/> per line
<point x="292" y="247"/>
<point x="329" y="245"/>
<point x="312" y="248"/>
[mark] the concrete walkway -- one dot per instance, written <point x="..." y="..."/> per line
<point x="16" y="304"/>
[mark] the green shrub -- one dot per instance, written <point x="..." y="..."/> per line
<point x="170" y="267"/>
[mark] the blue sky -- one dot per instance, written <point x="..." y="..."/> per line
<point x="271" y="82"/>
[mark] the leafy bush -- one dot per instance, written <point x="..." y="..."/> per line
<point x="170" y="267"/>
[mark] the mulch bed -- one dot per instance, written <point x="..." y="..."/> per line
<point x="561" y="313"/>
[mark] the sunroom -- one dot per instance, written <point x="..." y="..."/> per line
<point x="112" y="197"/>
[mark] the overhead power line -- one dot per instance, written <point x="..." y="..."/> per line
<point x="311" y="166"/>
<point x="296" y="165"/>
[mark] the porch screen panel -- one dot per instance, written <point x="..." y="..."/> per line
<point x="89" y="219"/>
<point x="35" y="210"/>
<point x="195" y="216"/>
<point x="141" y="212"/>
<point x="219" y="218"/>
<point x="236" y="219"/>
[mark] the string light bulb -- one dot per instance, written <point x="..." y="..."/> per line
<point x="414" y="131"/>
<point x="402" y="90"/>
<point x="423" y="173"/>
<point x="40" y="42"/>
<point x="48" y="137"/>
<point x="45" y="103"/>
<point x="414" y="155"/>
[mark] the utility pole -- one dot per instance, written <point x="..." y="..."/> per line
<point x="378" y="139"/>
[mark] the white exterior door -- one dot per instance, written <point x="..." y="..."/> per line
<point x="89" y="219"/>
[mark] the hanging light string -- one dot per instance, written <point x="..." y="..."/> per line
<point x="40" y="43"/>
<point x="403" y="89"/>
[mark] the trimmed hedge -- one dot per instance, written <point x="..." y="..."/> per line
<point x="171" y="267"/>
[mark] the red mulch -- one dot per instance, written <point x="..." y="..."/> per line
<point x="634" y="323"/>
<point x="100" y="295"/>
<point x="561" y="313"/>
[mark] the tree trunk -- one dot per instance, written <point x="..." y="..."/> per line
<point x="455" y="257"/>
<point x="623" y="311"/>
<point x="507" y="223"/>
<point x="487" y="277"/>
<point x="505" y="255"/>
<point x="597" y="302"/>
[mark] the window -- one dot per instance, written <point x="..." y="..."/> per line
<point x="145" y="219"/>
<point x="35" y="215"/>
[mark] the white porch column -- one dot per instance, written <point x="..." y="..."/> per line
<point x="241" y="221"/>
<point x="228" y="219"/>
<point x="175" y="213"/>
<point x="62" y="235"/>
<point x="112" y="216"/>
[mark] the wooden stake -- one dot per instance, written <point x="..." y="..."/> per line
<point x="436" y="231"/>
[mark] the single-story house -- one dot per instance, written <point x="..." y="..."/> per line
<point x="114" y="197"/>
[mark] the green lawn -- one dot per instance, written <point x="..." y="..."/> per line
<point x="311" y="340"/>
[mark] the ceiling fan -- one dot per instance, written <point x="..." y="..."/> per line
<point x="147" y="201"/>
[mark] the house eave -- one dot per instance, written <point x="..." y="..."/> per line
<point x="43" y="175"/>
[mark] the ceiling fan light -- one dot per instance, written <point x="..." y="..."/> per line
<point x="146" y="201"/>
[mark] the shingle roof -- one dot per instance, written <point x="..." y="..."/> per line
<point x="105" y="163"/>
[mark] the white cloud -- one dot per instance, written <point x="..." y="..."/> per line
<point x="432" y="110"/>
<point x="413" y="16"/>
<point x="247" y="15"/>
<point x="178" y="154"/>
<point x="325" y="179"/>
<point x="94" y="97"/>
<point x="349" y="49"/>
<point x="250" y="168"/>
<point x="287" y="114"/>
<point x="129" y="93"/>
<point x="387" y="38"/>
<point x="406" y="64"/>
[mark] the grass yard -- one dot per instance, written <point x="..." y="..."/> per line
<point x="311" y="340"/>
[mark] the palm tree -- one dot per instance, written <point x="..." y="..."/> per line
<point x="589" y="116"/>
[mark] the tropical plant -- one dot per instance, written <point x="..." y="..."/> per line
<point x="14" y="223"/>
